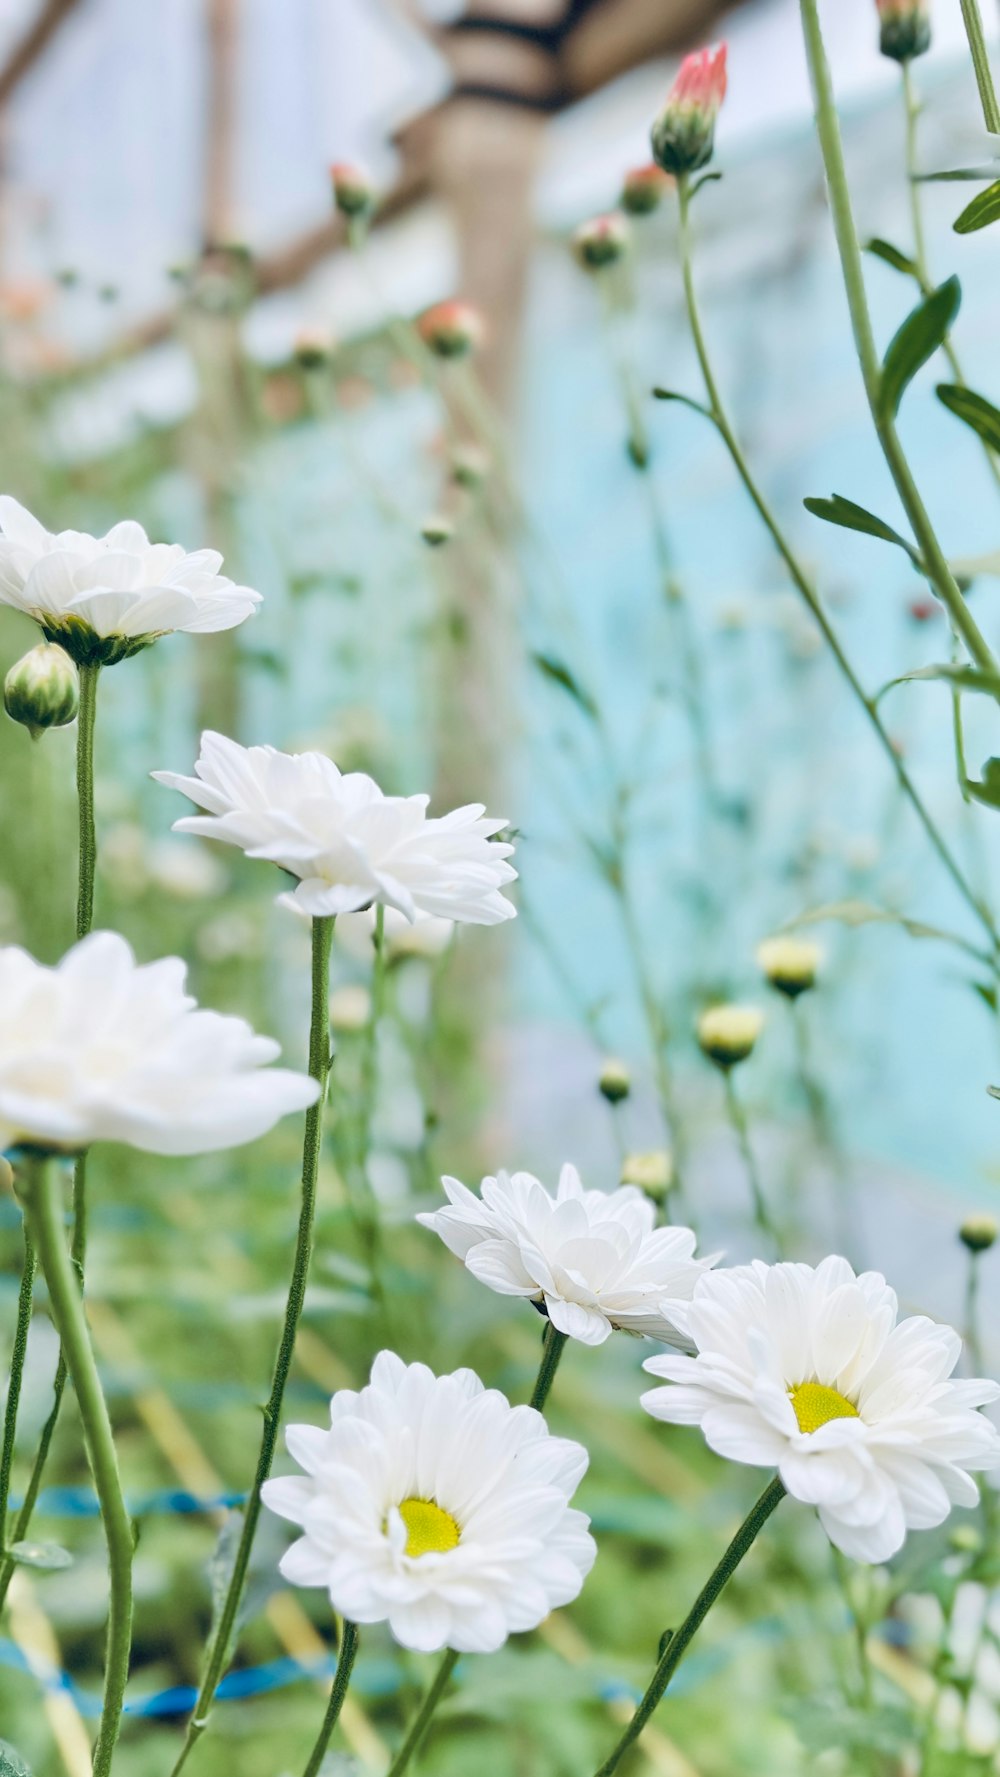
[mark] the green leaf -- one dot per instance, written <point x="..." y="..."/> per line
<point x="892" y="256"/>
<point x="706" y="179"/>
<point x="558" y="674"/>
<point x="983" y="210"/>
<point x="11" y="1762"/>
<point x="47" y="1556"/>
<point x="958" y="173"/>
<point x="685" y="400"/>
<point x="974" y="409"/>
<point x="987" y="788"/>
<point x="856" y="913"/>
<point x="959" y="677"/>
<point x="917" y="340"/>
<point x="851" y="517"/>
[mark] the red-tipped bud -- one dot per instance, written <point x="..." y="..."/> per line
<point x="644" y="189"/>
<point x="683" y="135"/>
<point x="451" y="329"/>
<point x="602" y="241"/>
<point x="924" y="610"/>
<point x="313" y="347"/>
<point x="905" y="27"/>
<point x="353" y="194"/>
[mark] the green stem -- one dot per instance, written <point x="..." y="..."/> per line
<point x="682" y="1638"/>
<point x="43" y="1202"/>
<point x="553" y="1346"/>
<point x="972" y="1339"/>
<point x="341" y="1679"/>
<point x="319" y="1068"/>
<point x="85" y="798"/>
<point x="17" y="1357"/>
<point x="981" y="62"/>
<point x="741" y="1129"/>
<point x="422" y="1719"/>
<point x="804" y="586"/>
<point x="935" y="564"/>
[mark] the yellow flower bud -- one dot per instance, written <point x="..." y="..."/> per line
<point x="615" y="1081"/>
<point x="978" y="1233"/>
<point x="727" y="1034"/>
<point x="652" y="1172"/>
<point x="790" y="964"/>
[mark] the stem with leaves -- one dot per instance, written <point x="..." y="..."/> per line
<point x="319" y="1067"/>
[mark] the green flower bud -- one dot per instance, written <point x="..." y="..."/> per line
<point x="652" y="1172"/>
<point x="978" y="1233"/>
<point x="42" y="690"/>
<point x="615" y="1081"/>
<point x="727" y="1034"/>
<point x="905" y="28"/>
<point x="790" y="964"/>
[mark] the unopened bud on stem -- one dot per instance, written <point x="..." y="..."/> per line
<point x="42" y="690"/>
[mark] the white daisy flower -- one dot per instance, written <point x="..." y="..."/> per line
<point x="594" y="1259"/>
<point x="102" y="1048"/>
<point x="348" y="844"/>
<point x="434" y="1505"/>
<point x="103" y="598"/>
<point x="807" y="1371"/>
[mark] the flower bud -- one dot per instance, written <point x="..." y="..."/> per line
<point x="683" y="135"/>
<point x="451" y="329"/>
<point x="350" y="1008"/>
<point x="470" y="465"/>
<point x="965" y="1539"/>
<point x="905" y="28"/>
<point x="644" y="189"/>
<point x="652" y="1172"/>
<point x="978" y="1233"/>
<point x="436" y="530"/>
<point x="313" y="347"/>
<point x="601" y="242"/>
<point x="615" y="1082"/>
<point x="727" y="1034"/>
<point x="352" y="189"/>
<point x="789" y="964"/>
<point x="924" y="610"/>
<point x="42" y="690"/>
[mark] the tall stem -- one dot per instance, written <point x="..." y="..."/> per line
<point x="341" y="1679"/>
<point x="17" y="1357"/>
<point x="422" y="1720"/>
<point x="804" y="586"/>
<point x="935" y="564"/>
<point x="553" y="1346"/>
<point x="741" y="1130"/>
<point x="682" y="1638"/>
<point x="44" y="1205"/>
<point x="89" y="676"/>
<point x="981" y="63"/>
<point x="319" y="1068"/>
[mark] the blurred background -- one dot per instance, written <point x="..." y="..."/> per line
<point x="471" y="587"/>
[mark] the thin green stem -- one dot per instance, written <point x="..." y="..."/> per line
<point x="44" y="1206"/>
<point x="553" y="1346"/>
<point x="89" y="676"/>
<point x="319" y="1067"/>
<point x="17" y="1357"/>
<point x="808" y="592"/>
<point x="741" y="1130"/>
<point x="682" y="1638"/>
<point x="973" y="21"/>
<point x="972" y="1339"/>
<point x="341" y="1679"/>
<point x="423" y="1716"/>
<point x="935" y="564"/>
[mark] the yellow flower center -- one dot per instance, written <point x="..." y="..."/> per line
<point x="430" y="1530"/>
<point x="815" y="1405"/>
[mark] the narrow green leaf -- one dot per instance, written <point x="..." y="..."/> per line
<point x="983" y="210"/>
<point x="989" y="171"/>
<point x="959" y="677"/>
<point x="686" y="401"/>
<point x="918" y="339"/>
<point x="892" y="256"/>
<point x="851" y="517"/>
<point x="706" y="179"/>
<point x="11" y="1762"/>
<point x="558" y="674"/>
<point x="856" y="913"/>
<point x="974" y="409"/>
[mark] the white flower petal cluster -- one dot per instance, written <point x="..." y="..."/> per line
<point x="102" y="1048"/>
<point x="434" y="1505"/>
<point x="348" y="844"/>
<point x="594" y="1259"/>
<point x="810" y="1372"/>
<point x="102" y="598"/>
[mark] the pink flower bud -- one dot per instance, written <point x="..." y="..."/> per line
<point x="644" y="189"/>
<point x="451" y="329"/>
<point x="905" y="28"/>
<point x="601" y="242"/>
<point x="352" y="189"/>
<point x="683" y="134"/>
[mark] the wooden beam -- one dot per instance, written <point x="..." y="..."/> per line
<point x="35" y="40"/>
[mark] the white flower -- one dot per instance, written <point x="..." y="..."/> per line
<point x="434" y="1505"/>
<point x="808" y="1372"/>
<point x="348" y="844"/>
<point x="595" y="1259"/>
<point x="104" y="1049"/>
<point x="103" y="598"/>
